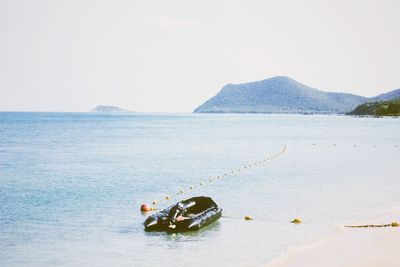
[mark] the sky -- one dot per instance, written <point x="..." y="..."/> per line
<point x="171" y="56"/>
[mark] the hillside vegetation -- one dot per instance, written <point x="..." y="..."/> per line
<point x="383" y="108"/>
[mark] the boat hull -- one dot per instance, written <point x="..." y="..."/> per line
<point x="164" y="220"/>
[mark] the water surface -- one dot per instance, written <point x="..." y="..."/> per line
<point x="71" y="184"/>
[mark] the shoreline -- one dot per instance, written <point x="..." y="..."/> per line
<point x="350" y="247"/>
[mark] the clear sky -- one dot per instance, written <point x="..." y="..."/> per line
<point x="170" y="56"/>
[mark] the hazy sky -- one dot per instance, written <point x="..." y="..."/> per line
<point x="170" y="56"/>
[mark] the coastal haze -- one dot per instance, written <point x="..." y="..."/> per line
<point x="171" y="56"/>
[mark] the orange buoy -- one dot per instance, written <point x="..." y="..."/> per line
<point x="145" y="207"/>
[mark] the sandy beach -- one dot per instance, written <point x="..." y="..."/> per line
<point x="352" y="247"/>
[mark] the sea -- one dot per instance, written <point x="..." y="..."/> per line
<point x="71" y="184"/>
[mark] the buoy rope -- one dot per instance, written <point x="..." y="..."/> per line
<point x="250" y="218"/>
<point x="392" y="224"/>
<point x="219" y="177"/>
<point x="246" y="218"/>
<point x="298" y="221"/>
<point x="367" y="225"/>
<point x="354" y="145"/>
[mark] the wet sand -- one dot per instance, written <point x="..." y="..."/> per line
<point x="353" y="247"/>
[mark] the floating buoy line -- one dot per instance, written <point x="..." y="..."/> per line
<point x="392" y="224"/>
<point x="146" y="208"/>
<point x="251" y="218"/>
<point x="219" y="177"/>
<point x="353" y="145"/>
<point x="246" y="218"/>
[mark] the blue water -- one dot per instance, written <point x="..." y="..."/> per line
<point x="71" y="184"/>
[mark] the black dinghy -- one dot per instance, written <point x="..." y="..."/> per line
<point x="186" y="215"/>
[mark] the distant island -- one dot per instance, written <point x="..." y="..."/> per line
<point x="108" y="109"/>
<point x="382" y="108"/>
<point x="282" y="94"/>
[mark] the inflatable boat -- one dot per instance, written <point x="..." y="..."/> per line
<point x="187" y="215"/>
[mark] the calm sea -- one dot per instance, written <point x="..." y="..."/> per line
<point x="71" y="184"/>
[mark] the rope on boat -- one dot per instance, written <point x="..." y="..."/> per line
<point x="214" y="179"/>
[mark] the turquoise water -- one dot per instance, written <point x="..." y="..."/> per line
<point x="71" y="184"/>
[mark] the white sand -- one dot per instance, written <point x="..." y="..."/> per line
<point x="354" y="247"/>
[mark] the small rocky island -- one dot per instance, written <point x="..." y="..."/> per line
<point x="382" y="108"/>
<point x="108" y="109"/>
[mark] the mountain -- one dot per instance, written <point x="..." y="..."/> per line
<point x="108" y="109"/>
<point x="382" y="108"/>
<point x="386" y="96"/>
<point x="280" y="95"/>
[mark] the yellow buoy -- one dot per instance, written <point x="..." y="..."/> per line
<point x="248" y="218"/>
<point x="394" y="224"/>
<point x="296" y="221"/>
